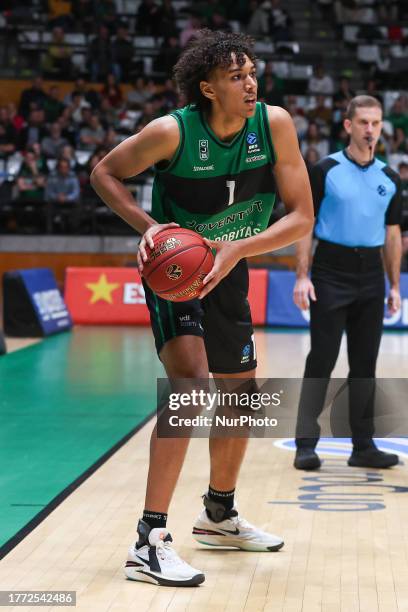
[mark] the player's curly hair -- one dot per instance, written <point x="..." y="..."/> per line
<point x="207" y="51"/>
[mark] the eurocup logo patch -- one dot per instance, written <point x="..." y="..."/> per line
<point x="252" y="143"/>
<point x="382" y="190"/>
<point x="246" y="351"/>
<point x="174" y="272"/>
<point x="203" y="150"/>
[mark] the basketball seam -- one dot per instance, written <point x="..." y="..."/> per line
<point x="174" y="288"/>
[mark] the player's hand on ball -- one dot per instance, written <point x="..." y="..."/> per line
<point x="147" y="239"/>
<point x="227" y="256"/>
<point x="394" y="300"/>
<point x="303" y="292"/>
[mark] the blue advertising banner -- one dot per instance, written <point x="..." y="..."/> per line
<point x="281" y="311"/>
<point x="47" y="300"/>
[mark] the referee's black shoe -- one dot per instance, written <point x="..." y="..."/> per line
<point x="372" y="457"/>
<point x="306" y="459"/>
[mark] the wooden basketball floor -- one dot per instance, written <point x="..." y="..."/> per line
<point x="69" y="403"/>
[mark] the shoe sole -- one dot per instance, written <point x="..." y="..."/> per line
<point x="308" y="466"/>
<point x="143" y="575"/>
<point x="230" y="543"/>
<point x="375" y="467"/>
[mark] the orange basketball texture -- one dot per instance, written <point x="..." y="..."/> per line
<point x="177" y="265"/>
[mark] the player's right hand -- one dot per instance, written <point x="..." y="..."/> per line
<point x="303" y="292"/>
<point x="147" y="239"/>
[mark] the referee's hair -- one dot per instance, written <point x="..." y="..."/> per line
<point x="362" y="102"/>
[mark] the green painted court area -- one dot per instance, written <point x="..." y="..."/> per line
<point x="64" y="403"/>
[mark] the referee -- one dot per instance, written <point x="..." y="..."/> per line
<point x="357" y="201"/>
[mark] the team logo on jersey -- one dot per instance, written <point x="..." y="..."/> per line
<point x="203" y="150"/>
<point x="252" y="143"/>
<point x="174" y="271"/>
<point x="382" y="190"/>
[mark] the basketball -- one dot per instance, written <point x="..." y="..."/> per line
<point x="178" y="264"/>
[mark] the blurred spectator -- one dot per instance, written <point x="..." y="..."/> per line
<point x="170" y="95"/>
<point x="91" y="135"/>
<point x="371" y="89"/>
<point x="62" y="185"/>
<point x="148" y="114"/>
<point x="8" y="134"/>
<point x="35" y="93"/>
<point x="311" y="158"/>
<point x="100" y="54"/>
<point x="111" y="139"/>
<point x="68" y="152"/>
<point x="105" y="12"/>
<point x="344" y="93"/>
<point x="75" y="110"/>
<point x="148" y="18"/>
<point x="83" y="14"/>
<point x="167" y="19"/>
<point x="399" y="114"/>
<point x="57" y="61"/>
<point x="298" y="118"/>
<point x="320" y="82"/>
<point x="15" y="119"/>
<point x="68" y="127"/>
<point x="258" y="21"/>
<point x="321" y="113"/>
<point x="218" y="21"/>
<point x="137" y="96"/>
<point x="51" y="145"/>
<point x="339" y="139"/>
<point x="59" y="14"/>
<point x="89" y="95"/>
<point x="122" y="54"/>
<point x="34" y="131"/>
<point x="112" y="92"/>
<point x="399" y="142"/>
<point x="272" y="95"/>
<point x="280" y="22"/>
<point x="168" y="54"/>
<point x="193" y="25"/>
<point x="31" y="178"/>
<point x="313" y="138"/>
<point x="53" y="106"/>
<point x="269" y="72"/>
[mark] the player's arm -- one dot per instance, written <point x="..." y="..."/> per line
<point x="158" y="141"/>
<point x="294" y="188"/>
<point x="392" y="261"/>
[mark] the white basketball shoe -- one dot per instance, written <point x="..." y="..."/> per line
<point x="154" y="560"/>
<point x="232" y="531"/>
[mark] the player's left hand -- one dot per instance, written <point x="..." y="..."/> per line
<point x="227" y="256"/>
<point x="394" y="300"/>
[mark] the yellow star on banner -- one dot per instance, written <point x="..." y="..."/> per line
<point x="102" y="290"/>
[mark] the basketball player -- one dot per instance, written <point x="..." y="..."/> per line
<point x="213" y="161"/>
<point x="357" y="201"/>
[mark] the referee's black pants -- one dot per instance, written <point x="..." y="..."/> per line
<point x="350" y="289"/>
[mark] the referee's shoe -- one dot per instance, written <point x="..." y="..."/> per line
<point x="372" y="457"/>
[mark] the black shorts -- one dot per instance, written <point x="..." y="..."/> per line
<point x="222" y="318"/>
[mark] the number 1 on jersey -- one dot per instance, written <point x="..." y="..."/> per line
<point x="231" y="187"/>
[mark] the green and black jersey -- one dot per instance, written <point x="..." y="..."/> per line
<point x="223" y="191"/>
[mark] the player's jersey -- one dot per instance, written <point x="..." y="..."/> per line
<point x="222" y="190"/>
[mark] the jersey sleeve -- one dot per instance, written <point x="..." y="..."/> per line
<point x="393" y="216"/>
<point x="317" y="178"/>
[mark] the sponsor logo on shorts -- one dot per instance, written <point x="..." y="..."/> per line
<point x="246" y="351"/>
<point x="185" y="321"/>
<point x="174" y="272"/>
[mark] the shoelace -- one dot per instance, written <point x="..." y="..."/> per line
<point x="241" y="522"/>
<point x="166" y="553"/>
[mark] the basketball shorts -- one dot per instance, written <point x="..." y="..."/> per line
<point x="222" y="319"/>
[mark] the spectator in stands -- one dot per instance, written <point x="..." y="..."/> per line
<point x="313" y="138"/>
<point x="321" y="113"/>
<point x="57" y="61"/>
<point x="399" y="142"/>
<point x="68" y="153"/>
<point x="88" y="94"/>
<point x="52" y="144"/>
<point x="311" y="157"/>
<point x="112" y="92"/>
<point x="147" y="115"/>
<point x="15" y="118"/>
<point x="194" y="24"/>
<point x="280" y="22"/>
<point x="105" y="12"/>
<point x="399" y="114"/>
<point x="170" y="95"/>
<point x="100" y="54"/>
<point x="31" y="178"/>
<point x="258" y="18"/>
<point x="138" y="95"/>
<point x="167" y="18"/>
<point x="344" y="93"/>
<point x="300" y="121"/>
<point x="35" y="93"/>
<point x="8" y="134"/>
<point x="53" y="106"/>
<point x="372" y="89"/>
<point x="148" y="15"/>
<point x="112" y="138"/>
<point x="62" y="192"/>
<point x="122" y="54"/>
<point x="168" y="55"/>
<point x="91" y="135"/>
<point x="269" y="71"/>
<point x="320" y="82"/>
<point x="272" y="95"/>
<point x="218" y="21"/>
<point x="75" y="110"/>
<point x="83" y="13"/>
<point x="34" y="131"/>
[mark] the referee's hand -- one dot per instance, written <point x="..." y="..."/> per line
<point x="303" y="292"/>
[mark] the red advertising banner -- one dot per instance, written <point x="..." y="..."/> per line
<point x="258" y="295"/>
<point x="106" y="296"/>
<point x="115" y="296"/>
